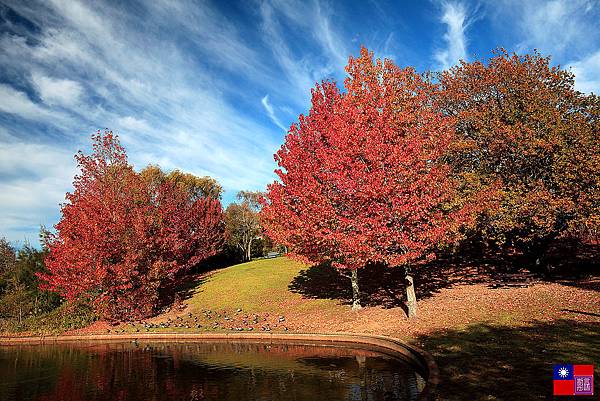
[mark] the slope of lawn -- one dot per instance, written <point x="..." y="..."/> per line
<point x="282" y="294"/>
<point x="254" y="286"/>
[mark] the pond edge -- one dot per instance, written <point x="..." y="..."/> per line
<point x="421" y="359"/>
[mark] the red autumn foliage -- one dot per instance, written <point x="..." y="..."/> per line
<point x="120" y="240"/>
<point x="361" y="176"/>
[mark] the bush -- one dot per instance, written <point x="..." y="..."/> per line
<point x="68" y="316"/>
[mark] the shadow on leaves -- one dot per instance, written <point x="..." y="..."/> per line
<point x="489" y="362"/>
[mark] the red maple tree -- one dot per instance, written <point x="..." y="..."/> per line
<point x="120" y="240"/>
<point x="361" y="176"/>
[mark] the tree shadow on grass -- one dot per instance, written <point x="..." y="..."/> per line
<point x="591" y="284"/>
<point x="184" y="285"/>
<point x="378" y="285"/>
<point x="173" y="295"/>
<point x="384" y="286"/>
<point x="489" y="362"/>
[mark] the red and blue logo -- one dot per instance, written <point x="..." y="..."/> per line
<point x="573" y="379"/>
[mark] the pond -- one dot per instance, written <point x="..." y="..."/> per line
<point x="199" y="371"/>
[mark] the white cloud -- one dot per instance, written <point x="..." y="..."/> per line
<point x="454" y="16"/>
<point x="158" y="91"/>
<point x="317" y="22"/>
<point x="35" y="180"/>
<point x="328" y="37"/>
<point x="587" y="73"/>
<point x="556" y="27"/>
<point x="18" y="103"/>
<point x="298" y="73"/>
<point x="304" y="70"/>
<point x="57" y="91"/>
<point x="159" y="81"/>
<point x="566" y="30"/>
<point x="133" y="124"/>
<point x="553" y="25"/>
<point x="271" y="113"/>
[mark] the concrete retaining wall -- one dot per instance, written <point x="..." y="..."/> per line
<point x="419" y="359"/>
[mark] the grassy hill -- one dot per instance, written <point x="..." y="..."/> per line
<point x="282" y="294"/>
<point x="253" y="286"/>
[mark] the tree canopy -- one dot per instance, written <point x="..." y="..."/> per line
<point x="362" y="178"/>
<point x="120" y="239"/>
<point x="524" y="132"/>
<point x="196" y="187"/>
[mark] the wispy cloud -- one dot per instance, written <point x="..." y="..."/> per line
<point x="57" y="91"/>
<point x="34" y="181"/>
<point x="454" y="16"/>
<point x="134" y="124"/>
<point x="160" y="100"/>
<point x="18" y="103"/>
<point x="303" y="70"/>
<point x="587" y="73"/>
<point x="555" y="27"/>
<point x="179" y="80"/>
<point x="567" y="30"/>
<point x="271" y="113"/>
<point x="328" y="37"/>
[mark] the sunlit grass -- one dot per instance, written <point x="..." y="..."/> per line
<point x="260" y="285"/>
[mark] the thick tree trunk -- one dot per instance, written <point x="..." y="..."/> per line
<point x="411" y="297"/>
<point x="355" y="290"/>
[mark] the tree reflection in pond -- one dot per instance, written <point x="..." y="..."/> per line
<point x="201" y="371"/>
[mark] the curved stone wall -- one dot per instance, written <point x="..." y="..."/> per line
<point x="419" y="359"/>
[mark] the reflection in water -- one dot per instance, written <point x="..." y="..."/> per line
<point x="201" y="371"/>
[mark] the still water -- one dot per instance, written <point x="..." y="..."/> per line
<point x="204" y="371"/>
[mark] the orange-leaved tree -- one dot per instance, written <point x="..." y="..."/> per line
<point x="523" y="129"/>
<point x="361" y="177"/>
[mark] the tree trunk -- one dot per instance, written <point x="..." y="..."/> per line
<point x="249" y="251"/>
<point x="411" y="297"/>
<point x="355" y="290"/>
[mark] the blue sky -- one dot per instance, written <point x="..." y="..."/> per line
<point x="211" y="87"/>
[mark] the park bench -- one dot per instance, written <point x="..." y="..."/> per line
<point x="521" y="280"/>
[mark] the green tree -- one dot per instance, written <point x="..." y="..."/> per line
<point x="196" y="187"/>
<point x="242" y="224"/>
<point x="8" y="259"/>
<point x="22" y="296"/>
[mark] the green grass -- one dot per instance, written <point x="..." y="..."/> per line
<point x="260" y="285"/>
